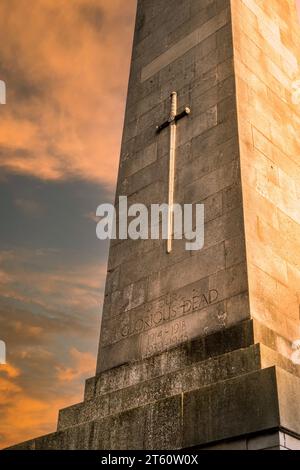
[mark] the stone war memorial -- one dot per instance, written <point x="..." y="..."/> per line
<point x="200" y="348"/>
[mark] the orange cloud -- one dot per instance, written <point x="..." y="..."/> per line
<point x="24" y="416"/>
<point x="66" y="76"/>
<point x="29" y="207"/>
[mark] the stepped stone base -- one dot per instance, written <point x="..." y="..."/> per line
<point x="204" y="394"/>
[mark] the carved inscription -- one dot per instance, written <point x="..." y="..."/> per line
<point x="165" y="337"/>
<point x="193" y="324"/>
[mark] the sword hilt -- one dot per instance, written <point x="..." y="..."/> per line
<point x="173" y="105"/>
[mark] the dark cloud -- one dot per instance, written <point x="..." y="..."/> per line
<point x="60" y="219"/>
<point x="58" y="162"/>
<point x="52" y="271"/>
<point x="22" y="84"/>
<point x="93" y="14"/>
<point x="60" y="77"/>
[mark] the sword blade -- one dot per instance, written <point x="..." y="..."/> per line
<point x="171" y="185"/>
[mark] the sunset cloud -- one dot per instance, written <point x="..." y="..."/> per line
<point x="23" y="416"/>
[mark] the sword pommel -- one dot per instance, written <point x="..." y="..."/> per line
<point x="173" y="105"/>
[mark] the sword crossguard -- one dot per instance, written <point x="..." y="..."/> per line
<point x="173" y="106"/>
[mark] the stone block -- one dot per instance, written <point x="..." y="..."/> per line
<point x="189" y="378"/>
<point x="142" y="428"/>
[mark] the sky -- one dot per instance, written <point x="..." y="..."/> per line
<point x="65" y="64"/>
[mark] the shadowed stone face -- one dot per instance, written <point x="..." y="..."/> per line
<point x="267" y="64"/>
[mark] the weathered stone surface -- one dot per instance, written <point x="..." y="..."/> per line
<point x="195" y="59"/>
<point x="155" y="426"/>
<point x="288" y="391"/>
